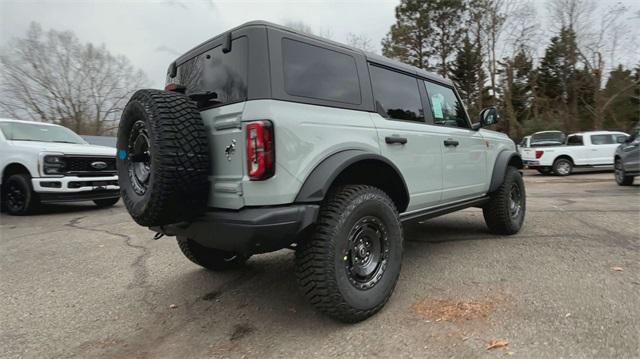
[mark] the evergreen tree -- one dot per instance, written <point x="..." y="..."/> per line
<point x="425" y="33"/>
<point x="466" y="72"/>
<point x="622" y="91"/>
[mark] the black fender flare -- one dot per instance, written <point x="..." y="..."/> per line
<point x="317" y="184"/>
<point x="500" y="168"/>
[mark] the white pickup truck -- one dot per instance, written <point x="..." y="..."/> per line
<point x="44" y="163"/>
<point x="593" y="149"/>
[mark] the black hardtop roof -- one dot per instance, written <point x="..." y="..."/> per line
<point x="381" y="60"/>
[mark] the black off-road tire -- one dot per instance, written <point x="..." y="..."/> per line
<point x="28" y="202"/>
<point x="103" y="203"/>
<point x="212" y="259"/>
<point x="321" y="260"/>
<point x="620" y="175"/>
<point x="163" y="137"/>
<point x="558" y="165"/>
<point x="498" y="212"/>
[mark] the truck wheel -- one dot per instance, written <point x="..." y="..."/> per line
<point x="210" y="258"/>
<point x="18" y="195"/>
<point x="350" y="265"/>
<point x="102" y="203"/>
<point x="504" y="214"/>
<point x="621" y="178"/>
<point x="162" y="158"/>
<point x="562" y="167"/>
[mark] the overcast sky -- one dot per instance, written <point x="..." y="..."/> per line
<point x="153" y="33"/>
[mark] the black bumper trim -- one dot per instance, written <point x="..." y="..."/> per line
<point x="249" y="230"/>
<point x="57" y="197"/>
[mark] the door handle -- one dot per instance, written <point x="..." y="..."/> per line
<point x="451" y="142"/>
<point x="395" y="139"/>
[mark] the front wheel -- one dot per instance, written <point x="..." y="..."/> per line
<point x="18" y="195"/>
<point x="621" y="177"/>
<point x="210" y="258"/>
<point x="504" y="214"/>
<point x="349" y="267"/>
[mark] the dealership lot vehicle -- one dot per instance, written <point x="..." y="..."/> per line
<point x="312" y="144"/>
<point x="627" y="158"/>
<point x="592" y="149"/>
<point x="550" y="290"/>
<point x="46" y="163"/>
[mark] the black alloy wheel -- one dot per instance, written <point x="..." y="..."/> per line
<point x="367" y="252"/>
<point x="139" y="164"/>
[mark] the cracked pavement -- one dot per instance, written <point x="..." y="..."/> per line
<point x="77" y="281"/>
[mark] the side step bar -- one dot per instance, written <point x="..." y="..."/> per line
<point x="423" y="214"/>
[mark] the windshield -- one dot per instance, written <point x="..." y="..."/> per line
<point x="547" y="138"/>
<point x="20" y="131"/>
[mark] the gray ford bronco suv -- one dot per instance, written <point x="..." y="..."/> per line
<point x="266" y="138"/>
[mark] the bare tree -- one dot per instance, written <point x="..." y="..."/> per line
<point x="52" y="77"/>
<point x="362" y="42"/>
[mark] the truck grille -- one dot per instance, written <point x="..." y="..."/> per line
<point x="83" y="166"/>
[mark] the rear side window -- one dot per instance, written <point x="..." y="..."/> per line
<point x="319" y="73"/>
<point x="602" y="140"/>
<point x="217" y="72"/>
<point x="574" y="141"/>
<point x="446" y="108"/>
<point x="397" y="93"/>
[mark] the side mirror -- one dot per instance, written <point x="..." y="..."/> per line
<point x="489" y="116"/>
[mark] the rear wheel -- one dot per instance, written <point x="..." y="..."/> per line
<point x="210" y="258"/>
<point x="102" y="203"/>
<point x="562" y="167"/>
<point x="348" y="269"/>
<point x="18" y="196"/>
<point x="504" y="214"/>
<point x="621" y="177"/>
<point x="163" y="158"/>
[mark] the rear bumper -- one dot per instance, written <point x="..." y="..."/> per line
<point x="530" y="163"/>
<point x="249" y="230"/>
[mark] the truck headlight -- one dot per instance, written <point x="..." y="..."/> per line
<point x="53" y="165"/>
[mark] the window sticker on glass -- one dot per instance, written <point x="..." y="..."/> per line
<point x="436" y="105"/>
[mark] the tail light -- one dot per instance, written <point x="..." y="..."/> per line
<point x="175" y="88"/>
<point x="539" y="154"/>
<point x="261" y="156"/>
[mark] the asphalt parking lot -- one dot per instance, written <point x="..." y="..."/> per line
<point x="86" y="282"/>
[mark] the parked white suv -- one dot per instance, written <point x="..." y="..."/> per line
<point x="592" y="149"/>
<point x="46" y="163"/>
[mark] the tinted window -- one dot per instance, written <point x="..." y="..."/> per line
<point x="397" y="93"/>
<point x="602" y="140"/>
<point x="315" y="72"/>
<point x="574" y="141"/>
<point x="217" y="72"/>
<point x="447" y="110"/>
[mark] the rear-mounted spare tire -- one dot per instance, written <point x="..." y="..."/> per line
<point x="162" y="158"/>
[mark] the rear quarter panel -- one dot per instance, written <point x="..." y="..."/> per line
<point x="305" y="135"/>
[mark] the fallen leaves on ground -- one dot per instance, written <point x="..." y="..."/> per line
<point x="617" y="269"/>
<point x="173" y="306"/>
<point x="497" y="343"/>
<point x="452" y="311"/>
